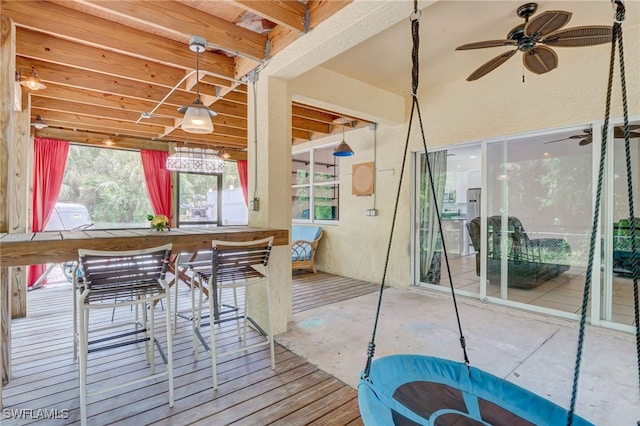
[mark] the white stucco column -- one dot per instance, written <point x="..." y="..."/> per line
<point x="269" y="159"/>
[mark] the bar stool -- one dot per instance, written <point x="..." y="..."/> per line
<point x="122" y="278"/>
<point x="234" y="265"/>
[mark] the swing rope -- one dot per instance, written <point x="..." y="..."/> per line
<point x="415" y="108"/>
<point x="615" y="39"/>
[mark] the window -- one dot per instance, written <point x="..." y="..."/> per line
<point x="315" y="185"/>
<point x="211" y="199"/>
<point x="108" y="183"/>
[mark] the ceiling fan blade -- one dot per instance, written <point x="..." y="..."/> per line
<point x="618" y="132"/>
<point x="557" y="140"/>
<point x="540" y="60"/>
<point x="580" y="36"/>
<point x="547" y="22"/>
<point x="586" y="141"/>
<point x="586" y="135"/>
<point x="487" y="43"/>
<point x="491" y="65"/>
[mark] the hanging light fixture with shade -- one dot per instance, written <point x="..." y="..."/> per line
<point x="39" y="123"/>
<point x="195" y="160"/>
<point x="32" y="81"/>
<point x="343" y="149"/>
<point x="197" y="116"/>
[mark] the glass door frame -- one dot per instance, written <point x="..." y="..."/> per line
<point x="601" y="298"/>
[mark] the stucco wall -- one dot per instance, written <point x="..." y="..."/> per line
<point x="499" y="104"/>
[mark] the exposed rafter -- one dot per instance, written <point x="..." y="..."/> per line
<point x="108" y="64"/>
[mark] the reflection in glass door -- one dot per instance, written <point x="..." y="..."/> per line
<point x="617" y="291"/>
<point x="456" y="171"/>
<point x="538" y="222"/>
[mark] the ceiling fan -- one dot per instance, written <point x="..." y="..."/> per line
<point x="587" y="137"/>
<point x="529" y="37"/>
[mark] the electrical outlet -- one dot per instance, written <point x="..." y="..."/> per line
<point x="255" y="204"/>
<point x="371" y="212"/>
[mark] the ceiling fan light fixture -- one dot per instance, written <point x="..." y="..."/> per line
<point x="39" y="123"/>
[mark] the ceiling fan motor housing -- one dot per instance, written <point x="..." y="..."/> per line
<point x="527" y="10"/>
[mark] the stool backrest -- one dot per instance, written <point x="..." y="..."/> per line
<point x="240" y="261"/>
<point x="113" y="269"/>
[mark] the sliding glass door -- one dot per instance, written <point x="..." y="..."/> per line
<point x="539" y="198"/>
<point x="617" y="289"/>
<point x="517" y="217"/>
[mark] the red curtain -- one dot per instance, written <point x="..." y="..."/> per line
<point x="50" y="157"/>
<point x="158" y="180"/>
<point x="244" y="179"/>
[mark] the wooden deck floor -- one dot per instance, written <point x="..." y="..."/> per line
<point x="44" y="385"/>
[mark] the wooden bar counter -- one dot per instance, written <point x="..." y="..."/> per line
<point x="52" y="247"/>
<point x="59" y="246"/>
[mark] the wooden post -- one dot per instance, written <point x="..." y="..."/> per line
<point x="15" y="163"/>
<point x="7" y="65"/>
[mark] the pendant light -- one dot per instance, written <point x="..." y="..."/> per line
<point x="343" y="149"/>
<point x="39" y="123"/>
<point x="197" y="117"/>
<point x="195" y="160"/>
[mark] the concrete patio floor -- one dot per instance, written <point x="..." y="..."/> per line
<point x="534" y="351"/>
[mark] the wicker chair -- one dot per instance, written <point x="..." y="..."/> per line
<point x="304" y="247"/>
<point x="530" y="262"/>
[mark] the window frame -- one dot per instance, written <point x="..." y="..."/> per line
<point x="313" y="185"/>
<point x="220" y="201"/>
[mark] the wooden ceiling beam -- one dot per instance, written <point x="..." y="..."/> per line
<point x="96" y="139"/>
<point x="290" y="14"/>
<point x="91" y="98"/>
<point x="210" y="139"/>
<point x="87" y="29"/>
<point x="183" y="21"/>
<point x="320" y="10"/>
<point x="43" y="47"/>
<point x="229" y="114"/>
<point x="85" y="122"/>
<point x="70" y="107"/>
<point x="75" y="77"/>
<point x="310" y="125"/>
<point x="301" y="134"/>
<point x="299" y="110"/>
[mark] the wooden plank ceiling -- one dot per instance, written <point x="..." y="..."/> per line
<point x="108" y="64"/>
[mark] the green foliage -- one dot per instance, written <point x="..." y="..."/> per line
<point x="109" y="182"/>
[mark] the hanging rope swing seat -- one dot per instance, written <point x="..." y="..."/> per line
<point x="424" y="390"/>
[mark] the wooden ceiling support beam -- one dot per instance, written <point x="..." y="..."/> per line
<point x="84" y="28"/>
<point x="183" y="21"/>
<point x="43" y="47"/>
<point x="290" y="14"/>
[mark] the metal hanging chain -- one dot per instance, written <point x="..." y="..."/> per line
<point x="615" y="38"/>
<point x="415" y="108"/>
